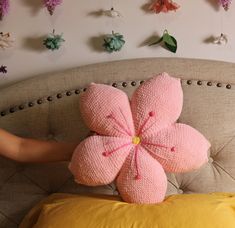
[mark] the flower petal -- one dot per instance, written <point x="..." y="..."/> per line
<point x="106" y="110"/>
<point x="89" y="164"/>
<point x="151" y="185"/>
<point x="178" y="148"/>
<point x="156" y="104"/>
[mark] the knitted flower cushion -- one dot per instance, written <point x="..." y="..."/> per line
<point x="136" y="141"/>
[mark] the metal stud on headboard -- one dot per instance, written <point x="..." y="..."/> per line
<point x="123" y="84"/>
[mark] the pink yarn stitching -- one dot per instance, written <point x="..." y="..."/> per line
<point x="137" y="177"/>
<point x="108" y="153"/>
<point x="151" y="114"/>
<point x="159" y="145"/>
<point x="123" y="116"/>
<point x="140" y="132"/>
<point x="111" y="116"/>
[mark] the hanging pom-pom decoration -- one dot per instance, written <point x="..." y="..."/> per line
<point x="4" y="8"/>
<point x="112" y="13"/>
<point x="164" y="6"/>
<point x="225" y="4"/>
<point x="51" y="5"/>
<point x="221" y="40"/>
<point x="113" y="42"/>
<point x="3" y="69"/>
<point x="53" y="41"/>
<point x="169" y="41"/>
<point x="5" y="41"/>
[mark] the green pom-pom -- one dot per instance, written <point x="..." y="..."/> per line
<point x="53" y="41"/>
<point x="113" y="42"/>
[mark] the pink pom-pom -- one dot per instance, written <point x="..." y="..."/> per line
<point x="225" y="3"/>
<point x="51" y="5"/>
<point x="4" y="8"/>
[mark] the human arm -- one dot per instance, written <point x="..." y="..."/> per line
<point x="33" y="150"/>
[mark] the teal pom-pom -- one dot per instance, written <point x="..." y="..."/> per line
<point x="113" y="42"/>
<point x="53" y="41"/>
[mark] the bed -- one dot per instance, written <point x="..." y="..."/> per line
<point x="46" y="107"/>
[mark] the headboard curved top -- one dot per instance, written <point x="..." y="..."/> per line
<point x="46" y="107"/>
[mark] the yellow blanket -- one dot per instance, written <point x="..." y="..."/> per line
<point x="216" y="210"/>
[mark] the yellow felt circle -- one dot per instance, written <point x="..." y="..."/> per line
<point x="178" y="211"/>
<point x="136" y="140"/>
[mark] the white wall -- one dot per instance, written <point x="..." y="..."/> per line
<point x="28" y="22"/>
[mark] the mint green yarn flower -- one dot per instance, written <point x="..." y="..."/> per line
<point x="113" y="42"/>
<point x="53" y="41"/>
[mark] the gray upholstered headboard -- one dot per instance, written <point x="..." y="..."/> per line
<point x="46" y="107"/>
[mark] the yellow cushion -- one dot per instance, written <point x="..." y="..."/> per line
<point x="216" y="210"/>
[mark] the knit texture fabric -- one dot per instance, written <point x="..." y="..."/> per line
<point x="136" y="140"/>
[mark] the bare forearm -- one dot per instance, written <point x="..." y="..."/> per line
<point x="32" y="150"/>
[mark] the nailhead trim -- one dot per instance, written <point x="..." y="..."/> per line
<point x="189" y="82"/>
<point x="12" y="110"/>
<point x="49" y="98"/>
<point x="59" y="95"/>
<point x="115" y="84"/>
<point x="39" y="101"/>
<point x="68" y="93"/>
<point x="124" y="84"/>
<point x="77" y="91"/>
<point x="133" y="83"/>
<point x="30" y="104"/>
<point x="199" y="82"/>
<point x="218" y="84"/>
<point x="21" y="107"/>
<point x="228" y="86"/>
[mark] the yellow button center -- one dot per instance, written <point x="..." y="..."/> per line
<point x="136" y="140"/>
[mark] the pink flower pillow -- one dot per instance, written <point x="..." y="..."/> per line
<point x="136" y="140"/>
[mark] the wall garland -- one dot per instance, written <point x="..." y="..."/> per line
<point x="114" y="41"/>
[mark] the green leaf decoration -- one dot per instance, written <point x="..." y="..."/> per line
<point x="113" y="42"/>
<point x="172" y="48"/>
<point x="53" y="41"/>
<point x="169" y="41"/>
